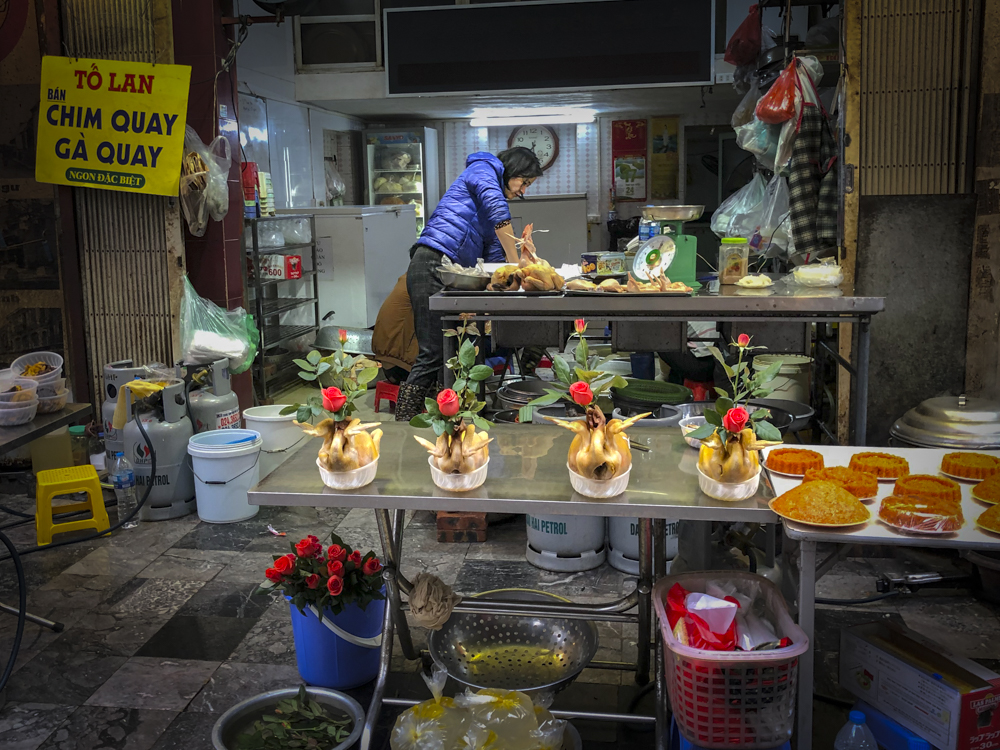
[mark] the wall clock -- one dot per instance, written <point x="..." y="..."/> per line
<point x="539" y="138"/>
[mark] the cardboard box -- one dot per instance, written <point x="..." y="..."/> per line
<point x="280" y="267"/>
<point x="950" y="701"/>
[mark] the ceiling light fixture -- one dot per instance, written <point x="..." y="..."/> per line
<point x="492" y="117"/>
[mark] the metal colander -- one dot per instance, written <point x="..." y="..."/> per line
<point x="511" y="651"/>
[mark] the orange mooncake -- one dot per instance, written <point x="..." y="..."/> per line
<point x="882" y="465"/>
<point x="823" y="503"/>
<point x="990" y="520"/>
<point x="861" y="484"/>
<point x="988" y="491"/>
<point x="793" y="460"/>
<point x="930" y="487"/>
<point x="970" y="465"/>
<point x="921" y="514"/>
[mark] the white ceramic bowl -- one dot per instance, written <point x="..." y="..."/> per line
<point x="51" y="387"/>
<point x="52" y="404"/>
<point x="732" y="492"/>
<point x="688" y="425"/>
<point x="348" y="480"/>
<point x="21" y="415"/>
<point x="55" y="361"/>
<point x="599" y="488"/>
<point x="458" y="482"/>
<point x="27" y="393"/>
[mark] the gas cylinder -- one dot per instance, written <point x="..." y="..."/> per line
<point x="116" y="374"/>
<point x="214" y="406"/>
<point x="164" y="417"/>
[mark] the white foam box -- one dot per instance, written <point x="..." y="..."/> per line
<point x="950" y="701"/>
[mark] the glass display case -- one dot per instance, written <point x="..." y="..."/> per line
<point x="402" y="169"/>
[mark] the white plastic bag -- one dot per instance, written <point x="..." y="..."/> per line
<point x="744" y="110"/>
<point x="742" y="202"/>
<point x="335" y="185"/>
<point x="759" y="139"/>
<point x="204" y="190"/>
<point x="209" y="333"/>
<point x="767" y="229"/>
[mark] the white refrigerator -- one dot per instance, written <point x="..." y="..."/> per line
<point x="401" y="168"/>
<point x="361" y="252"/>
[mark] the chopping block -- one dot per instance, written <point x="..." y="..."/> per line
<point x="461" y="526"/>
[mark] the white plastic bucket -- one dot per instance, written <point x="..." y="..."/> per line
<point x="792" y="380"/>
<point x="226" y="465"/>
<point x="279" y="433"/>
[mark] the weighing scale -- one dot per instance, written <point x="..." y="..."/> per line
<point x="668" y="249"/>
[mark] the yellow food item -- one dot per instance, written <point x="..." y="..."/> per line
<point x="540" y="277"/>
<point x="346" y="445"/>
<point x="858" y="483"/>
<point x="970" y="465"/>
<point x="921" y="514"/>
<point x="928" y="487"/>
<point x="39" y="368"/>
<point x="600" y="449"/>
<point x="823" y="503"/>
<point x="610" y="285"/>
<point x="505" y="279"/>
<point x="581" y="285"/>
<point x="657" y="285"/>
<point x="731" y="462"/>
<point x="988" y="490"/>
<point x="990" y="520"/>
<point x="461" y="453"/>
<point x="882" y="465"/>
<point x="793" y="460"/>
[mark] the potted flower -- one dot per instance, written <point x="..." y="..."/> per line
<point x="728" y="459"/>
<point x="459" y="457"/>
<point x="599" y="458"/>
<point x="348" y="458"/>
<point x="336" y="599"/>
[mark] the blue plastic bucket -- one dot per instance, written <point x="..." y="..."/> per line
<point x="327" y="660"/>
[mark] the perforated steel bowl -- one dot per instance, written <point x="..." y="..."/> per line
<point x="514" y="652"/>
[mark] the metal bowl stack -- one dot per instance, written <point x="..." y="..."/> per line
<point x="464" y="282"/>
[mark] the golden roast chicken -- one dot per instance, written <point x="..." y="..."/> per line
<point x="346" y="445"/>
<point x="600" y="449"/>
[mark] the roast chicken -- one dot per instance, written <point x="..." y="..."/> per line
<point x="533" y="274"/>
<point x="659" y="283"/>
<point x="346" y="445"/>
<point x="733" y="461"/>
<point x="461" y="453"/>
<point x="600" y="449"/>
<point x="583" y="285"/>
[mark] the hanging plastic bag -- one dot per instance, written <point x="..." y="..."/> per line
<point x="744" y="110"/>
<point x="209" y="333"/>
<point x="509" y="714"/>
<point x="778" y="104"/>
<point x="335" y="185"/>
<point x="743" y="201"/>
<point x="204" y="187"/>
<point x="437" y="724"/>
<point x="760" y="139"/>
<point x="744" y="45"/>
<point x="767" y="228"/>
<point x="549" y="735"/>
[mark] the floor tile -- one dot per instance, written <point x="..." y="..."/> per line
<point x="487" y="575"/>
<point x="199" y="637"/>
<point x="224" y="599"/>
<point x="112" y="561"/>
<point x="236" y="681"/>
<point x="146" y="682"/>
<point x="270" y="641"/>
<point x="248" y="567"/>
<point x="221" y="536"/>
<point x="222" y="557"/>
<point x="62" y="675"/>
<point x="360" y="530"/>
<point x="179" y="569"/>
<point x="188" y="731"/>
<point x="111" y="634"/>
<point x="25" y="726"/>
<point x="513" y="551"/>
<point x="152" y="597"/>
<point x="100" y="728"/>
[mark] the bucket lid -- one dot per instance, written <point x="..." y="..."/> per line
<point x="223" y="442"/>
<point x="951" y="422"/>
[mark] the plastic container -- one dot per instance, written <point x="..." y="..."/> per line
<point x="51" y="387"/>
<point x="79" y="445"/>
<point x="792" y="380"/>
<point x="689" y="425"/>
<point x="279" y="433"/>
<point x="565" y="544"/>
<point x="730" y="699"/>
<point x="599" y="488"/>
<point x="855" y="734"/>
<point x="225" y="464"/>
<point x="53" y="360"/>
<point x="28" y="392"/>
<point x="348" y="480"/>
<point x="458" y="482"/>
<point x="734" y="259"/>
<point x="327" y="660"/>
<point x="52" y="404"/>
<point x="21" y="415"/>
<point x="728" y="491"/>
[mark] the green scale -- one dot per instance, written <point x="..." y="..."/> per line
<point x="664" y="247"/>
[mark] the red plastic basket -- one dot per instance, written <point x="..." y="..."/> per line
<point x="732" y="699"/>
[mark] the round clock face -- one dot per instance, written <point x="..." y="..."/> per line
<point x="540" y="139"/>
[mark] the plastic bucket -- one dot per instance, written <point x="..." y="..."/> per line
<point x="279" y="433"/>
<point x="324" y="658"/>
<point x="225" y="464"/>
<point x="792" y="380"/>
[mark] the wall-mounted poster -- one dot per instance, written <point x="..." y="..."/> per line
<point x="630" y="178"/>
<point x="664" y="164"/>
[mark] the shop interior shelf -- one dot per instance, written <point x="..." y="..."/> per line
<point x="305" y="275"/>
<point x="409" y="169"/>
<point x="284" y="304"/>
<point x="274" y="335"/>
<point x="281" y="248"/>
<point x="287" y="373"/>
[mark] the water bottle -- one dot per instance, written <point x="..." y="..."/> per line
<point x="123" y="478"/>
<point x="855" y="734"/>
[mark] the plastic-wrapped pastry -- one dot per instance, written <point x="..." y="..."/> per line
<point x="921" y="515"/>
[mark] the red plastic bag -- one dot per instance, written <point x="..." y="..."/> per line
<point x="692" y="630"/>
<point x="778" y="104"/>
<point x="744" y="46"/>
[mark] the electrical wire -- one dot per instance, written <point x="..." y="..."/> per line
<point x="869" y="600"/>
<point x="22" y="609"/>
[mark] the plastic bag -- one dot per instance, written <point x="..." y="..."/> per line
<point x="760" y="139"/>
<point x="509" y="714"/>
<point x="209" y="333"/>
<point x="297" y="231"/>
<point x="825" y="274"/>
<point x="691" y="628"/>
<point x="744" y="110"/>
<point x="549" y="735"/>
<point x="778" y="104"/>
<point x="204" y="189"/>
<point x="768" y="227"/>
<point x="335" y="185"/>
<point x="743" y="201"/>
<point x="437" y="724"/>
<point x="744" y="45"/>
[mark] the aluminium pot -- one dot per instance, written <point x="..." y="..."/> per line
<point x="961" y="422"/>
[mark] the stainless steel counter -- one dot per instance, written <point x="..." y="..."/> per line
<point x="527" y="474"/>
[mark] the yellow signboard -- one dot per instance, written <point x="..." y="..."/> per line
<point x="112" y="124"/>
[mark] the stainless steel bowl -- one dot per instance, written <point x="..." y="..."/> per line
<point x="240" y="717"/>
<point x="513" y="652"/>
<point x="673" y="213"/>
<point x="465" y="283"/>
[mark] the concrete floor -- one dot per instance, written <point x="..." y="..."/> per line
<point x="162" y="634"/>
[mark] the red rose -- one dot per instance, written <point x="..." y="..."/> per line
<point x="371" y="566"/>
<point x="581" y="393"/>
<point x="742" y="340"/>
<point x="342" y="335"/>
<point x="273" y="575"/>
<point x="309" y="547"/>
<point x="448" y="402"/>
<point x="312" y="580"/>
<point x="355" y="557"/>
<point x="336" y="552"/>
<point x="735" y="419"/>
<point x="335" y="568"/>
<point x="333" y="399"/>
<point x="335" y="585"/>
<point x="285" y="564"/>
<point x="580" y="325"/>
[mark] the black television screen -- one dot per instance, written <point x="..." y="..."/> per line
<point x="547" y="45"/>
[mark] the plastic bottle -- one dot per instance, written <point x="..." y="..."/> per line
<point x="855" y="734"/>
<point x="123" y="478"/>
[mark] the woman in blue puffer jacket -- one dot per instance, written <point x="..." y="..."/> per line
<point x="471" y="221"/>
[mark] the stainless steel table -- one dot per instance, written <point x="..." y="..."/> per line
<point x="15" y="437"/>
<point x="527" y="474"/>
<point x="784" y="304"/>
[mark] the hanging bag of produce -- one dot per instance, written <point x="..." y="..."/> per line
<point x="209" y="333"/>
<point x="778" y="104"/>
<point x="744" y="45"/>
<point x="204" y="190"/>
<point x="743" y="201"/>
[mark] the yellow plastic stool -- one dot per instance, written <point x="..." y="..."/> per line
<point x="55" y="482"/>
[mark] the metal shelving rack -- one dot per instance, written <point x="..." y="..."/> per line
<point x="271" y="377"/>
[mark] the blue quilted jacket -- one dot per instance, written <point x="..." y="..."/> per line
<point x="463" y="226"/>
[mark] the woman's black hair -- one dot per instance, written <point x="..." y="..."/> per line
<point x="519" y="162"/>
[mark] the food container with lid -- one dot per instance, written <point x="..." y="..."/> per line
<point x="961" y="422"/>
<point x="734" y="257"/>
<point x="26" y="389"/>
<point x="53" y="360"/>
<point x="20" y="415"/>
<point x="52" y="404"/>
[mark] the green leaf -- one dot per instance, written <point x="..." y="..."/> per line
<point x="450" y="333"/>
<point x="310" y="376"/>
<point x="314" y="357"/>
<point x="304" y="414"/>
<point x="480" y="372"/>
<point x="730" y="372"/>
<point x="723" y="405"/>
<point x="467" y="354"/>
<point x="766" y="431"/>
<point x="550" y="397"/>
<point x="561" y="370"/>
<point x="768" y="373"/>
<point x="432" y="407"/>
<point x="702" y="432"/>
<point x="367" y="375"/>
<point x="760" y="414"/>
<point x="316" y="410"/>
<point x="460" y="385"/>
<point x="524" y="414"/>
<point x="587" y="375"/>
<point x="619" y="382"/>
<point x="290" y="409"/>
<point x="482" y="424"/>
<point x="439" y="426"/>
<point x="713" y="417"/>
<point x="308" y="366"/>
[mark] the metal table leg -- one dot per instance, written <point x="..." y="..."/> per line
<point x="662" y="714"/>
<point x="644" y="589"/>
<point x="807" y="621"/>
<point x="391" y="535"/>
<point x="861" y="364"/>
<point x="385" y="659"/>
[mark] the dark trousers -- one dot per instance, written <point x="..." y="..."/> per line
<point x="423" y="280"/>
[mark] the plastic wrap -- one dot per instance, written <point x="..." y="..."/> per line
<point x="691" y="617"/>
<point x="824" y="274"/>
<point x="549" y="735"/>
<point x="296" y="231"/>
<point x="428" y="726"/>
<point x="760" y="139"/>
<point x="744" y="110"/>
<point x="436" y="681"/>
<point x="742" y="202"/>
<point x="509" y="714"/>
<point x="209" y="333"/>
<point x="270" y="234"/>
<point x="913" y="514"/>
<point x="204" y="189"/>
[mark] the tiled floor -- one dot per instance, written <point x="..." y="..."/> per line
<point x="162" y="632"/>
